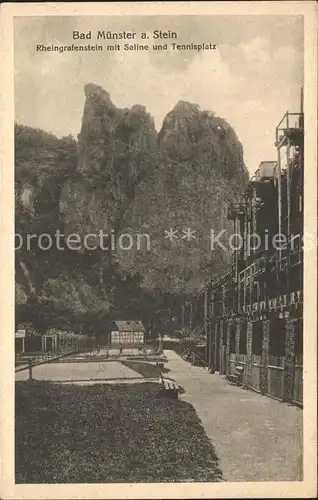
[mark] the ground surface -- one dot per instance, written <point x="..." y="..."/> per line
<point x="60" y="372"/>
<point x="256" y="437"/>
<point x="100" y="434"/>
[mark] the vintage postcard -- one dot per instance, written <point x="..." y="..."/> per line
<point x="159" y="229"/>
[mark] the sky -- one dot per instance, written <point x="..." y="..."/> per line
<point x="251" y="80"/>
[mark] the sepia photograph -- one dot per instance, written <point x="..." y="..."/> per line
<point x="160" y="245"/>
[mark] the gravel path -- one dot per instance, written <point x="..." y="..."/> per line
<point x="256" y="437"/>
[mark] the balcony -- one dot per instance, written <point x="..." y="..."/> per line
<point x="290" y="128"/>
<point x="254" y="269"/>
<point x="236" y="210"/>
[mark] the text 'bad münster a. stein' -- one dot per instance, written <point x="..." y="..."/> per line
<point x="124" y="35"/>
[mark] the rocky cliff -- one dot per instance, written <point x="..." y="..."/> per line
<point x="42" y="164"/>
<point x="200" y="172"/>
<point x="122" y="176"/>
<point x="115" y="147"/>
<point x="49" y="282"/>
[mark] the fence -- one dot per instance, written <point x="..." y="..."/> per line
<point x="37" y="361"/>
<point x="238" y="360"/>
<point x="276" y="376"/>
<point x="273" y="370"/>
<point x="298" y="380"/>
<point x="232" y="363"/>
<point x="256" y="372"/>
<point x="241" y="361"/>
<point x="50" y="344"/>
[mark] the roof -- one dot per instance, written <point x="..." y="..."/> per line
<point x="20" y="334"/>
<point x="265" y="170"/>
<point x="130" y="326"/>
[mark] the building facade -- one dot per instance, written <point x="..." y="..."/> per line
<point x="252" y="316"/>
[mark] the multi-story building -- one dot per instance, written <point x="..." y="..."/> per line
<point x="252" y="316"/>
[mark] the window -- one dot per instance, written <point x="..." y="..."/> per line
<point x="298" y="349"/>
<point x="257" y="338"/>
<point x="277" y="338"/>
<point x="224" y="326"/>
<point x="232" y="337"/>
<point x="243" y="338"/>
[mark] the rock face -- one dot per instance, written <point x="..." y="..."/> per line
<point x="42" y="164"/>
<point x="189" y="134"/>
<point x="123" y="176"/>
<point x="202" y="170"/>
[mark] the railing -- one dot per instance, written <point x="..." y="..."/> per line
<point x="298" y="380"/>
<point x="276" y="376"/>
<point x="256" y="372"/>
<point x="275" y="303"/>
<point x="241" y="358"/>
<point x="23" y="359"/>
<point x="48" y="358"/>
<point x="276" y="361"/>
<point x="242" y="361"/>
<point x="253" y="269"/>
<point x="287" y="123"/>
<point x="232" y="362"/>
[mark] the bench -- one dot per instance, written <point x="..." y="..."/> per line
<point x="169" y="385"/>
<point x="236" y="377"/>
<point x="170" y="388"/>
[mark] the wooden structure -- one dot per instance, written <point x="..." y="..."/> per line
<point x="128" y="334"/>
<point x="20" y="341"/>
<point x="54" y="341"/>
<point x="57" y="341"/>
<point x="252" y="316"/>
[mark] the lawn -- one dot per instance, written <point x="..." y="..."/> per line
<point x="101" y="434"/>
